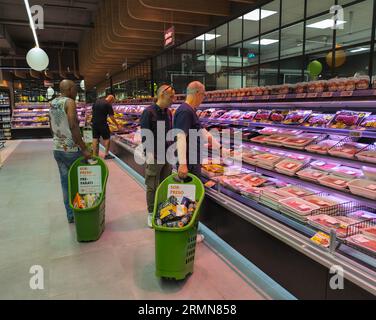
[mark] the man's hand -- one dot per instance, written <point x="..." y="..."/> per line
<point x="86" y="154"/>
<point x="183" y="171"/>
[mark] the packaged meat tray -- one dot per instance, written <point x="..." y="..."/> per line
<point x="297" y="117"/>
<point x="370" y="173"/>
<point x="278" y="116"/>
<point x="277" y="140"/>
<point x="346" y="119"/>
<point x="370" y="233"/>
<point x="299" y="192"/>
<point x="311" y="174"/>
<point x="363" y="216"/>
<point x="322" y="147"/>
<point x="334" y="182"/>
<point x="340" y="224"/>
<point x="367" y="155"/>
<point x="275" y="194"/>
<point x="236" y="115"/>
<point x="300" y="142"/>
<point x="347" y="172"/>
<point x="262" y="116"/>
<point x="217" y="114"/>
<point x="369" y="123"/>
<point x="269" y="131"/>
<point x="267" y="159"/>
<point x="364" y="188"/>
<point x="260" y="139"/>
<point x="347" y="150"/>
<point x="318" y="120"/>
<point x="325" y="201"/>
<point x="361" y="241"/>
<point x="299" y="206"/>
<point x="289" y="166"/>
<point x="254" y="181"/>
<point x="324" y="165"/>
<point x="249" y="115"/>
<point x="298" y="157"/>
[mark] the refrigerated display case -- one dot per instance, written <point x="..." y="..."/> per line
<point x="298" y="180"/>
<point x="5" y="115"/>
<point x="31" y="120"/>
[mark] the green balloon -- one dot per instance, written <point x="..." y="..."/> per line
<point x="315" y="68"/>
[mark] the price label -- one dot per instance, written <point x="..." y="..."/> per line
<point x="356" y="134"/>
<point x="321" y="239"/>
<point x="89" y="180"/>
<point x="228" y="99"/>
<point x="312" y="95"/>
<point x="301" y="95"/>
<point x="239" y="99"/>
<point x="265" y="97"/>
<point x="281" y="96"/>
<point x="210" y="184"/>
<point x="347" y="93"/>
<point x="327" y="94"/>
<point x="251" y="98"/>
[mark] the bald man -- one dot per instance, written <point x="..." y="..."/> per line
<point x="102" y="110"/>
<point x="186" y="119"/>
<point x="67" y="137"/>
<point x="157" y="168"/>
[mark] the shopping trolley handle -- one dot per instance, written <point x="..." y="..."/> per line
<point x="89" y="161"/>
<point x="180" y="180"/>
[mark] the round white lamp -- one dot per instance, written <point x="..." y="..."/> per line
<point x="37" y="59"/>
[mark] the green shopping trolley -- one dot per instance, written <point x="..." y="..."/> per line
<point x="175" y="247"/>
<point x="88" y="178"/>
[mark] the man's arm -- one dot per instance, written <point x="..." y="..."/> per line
<point x="75" y="127"/>
<point x="113" y="119"/>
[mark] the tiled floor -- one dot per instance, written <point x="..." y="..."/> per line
<point x="34" y="231"/>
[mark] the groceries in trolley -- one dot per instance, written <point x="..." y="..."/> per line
<point x="173" y="214"/>
<point x="86" y="202"/>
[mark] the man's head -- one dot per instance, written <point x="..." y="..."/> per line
<point x="110" y="99"/>
<point x="165" y="95"/>
<point x="195" y="93"/>
<point x="68" y="89"/>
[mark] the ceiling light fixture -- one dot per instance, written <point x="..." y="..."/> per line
<point x="208" y="37"/>
<point x="359" y="50"/>
<point x="265" y="42"/>
<point x="255" y="14"/>
<point x="325" y="24"/>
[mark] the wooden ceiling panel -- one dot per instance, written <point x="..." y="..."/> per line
<point x="133" y="30"/>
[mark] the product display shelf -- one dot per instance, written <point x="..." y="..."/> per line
<point x="230" y="209"/>
<point x="298" y="96"/>
<point x="5" y="115"/>
<point x="315" y="156"/>
<point x="249" y="124"/>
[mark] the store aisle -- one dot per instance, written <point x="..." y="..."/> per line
<point x="34" y="231"/>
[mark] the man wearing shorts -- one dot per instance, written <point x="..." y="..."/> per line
<point x="102" y="109"/>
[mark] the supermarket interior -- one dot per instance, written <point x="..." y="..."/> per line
<point x="286" y="87"/>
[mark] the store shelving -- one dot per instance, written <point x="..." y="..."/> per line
<point x="360" y="264"/>
<point x="5" y="115"/>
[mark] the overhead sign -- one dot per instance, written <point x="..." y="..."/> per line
<point x="169" y="37"/>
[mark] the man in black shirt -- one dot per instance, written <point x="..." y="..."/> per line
<point x="157" y="120"/>
<point x="102" y="109"/>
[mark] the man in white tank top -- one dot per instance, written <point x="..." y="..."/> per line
<point x="66" y="136"/>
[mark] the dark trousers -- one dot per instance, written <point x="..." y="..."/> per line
<point x="154" y="175"/>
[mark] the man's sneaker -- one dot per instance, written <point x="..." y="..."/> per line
<point x="150" y="220"/>
<point x="200" y="238"/>
<point x="70" y="220"/>
<point x="109" y="157"/>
